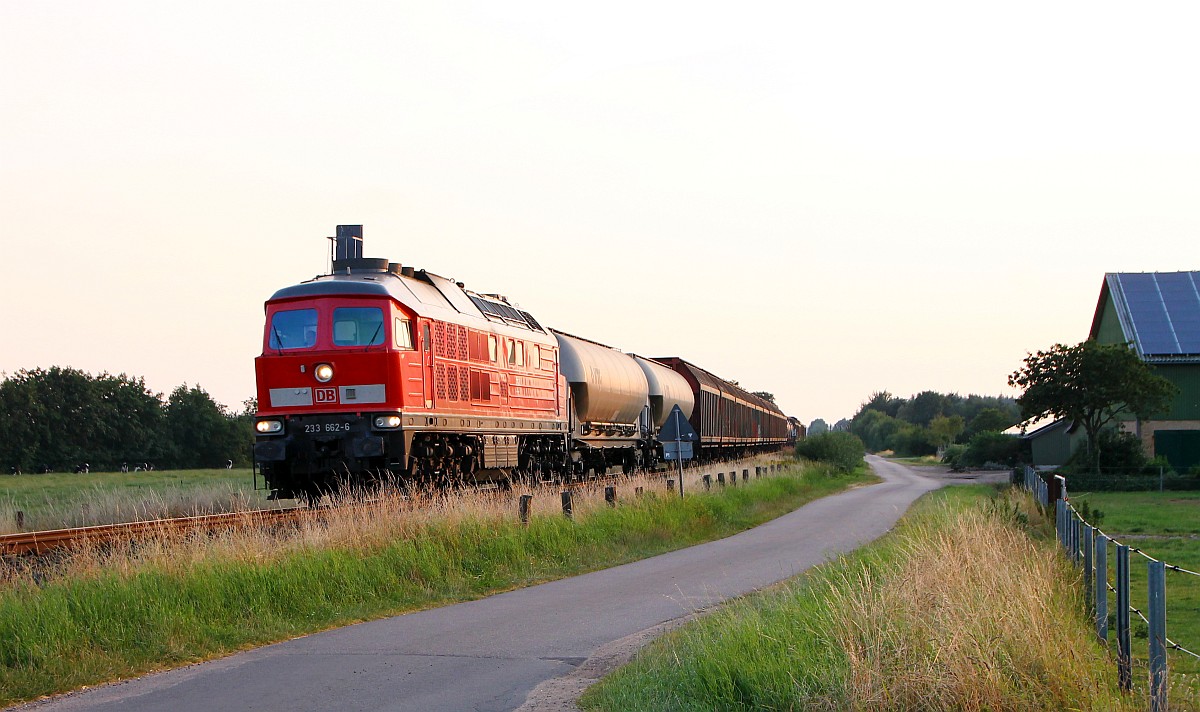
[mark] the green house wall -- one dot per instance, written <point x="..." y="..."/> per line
<point x="1186" y="403"/>
<point x="1110" y="331"/>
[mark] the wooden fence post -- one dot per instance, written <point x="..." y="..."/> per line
<point x="1101" y="557"/>
<point x="1156" y="576"/>
<point x="1124" y="663"/>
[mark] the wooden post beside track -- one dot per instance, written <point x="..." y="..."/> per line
<point x="523" y="505"/>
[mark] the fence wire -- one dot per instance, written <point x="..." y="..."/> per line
<point x="1096" y="531"/>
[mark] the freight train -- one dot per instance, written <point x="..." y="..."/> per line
<point x="380" y="371"/>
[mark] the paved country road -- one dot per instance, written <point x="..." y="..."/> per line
<point x="491" y="653"/>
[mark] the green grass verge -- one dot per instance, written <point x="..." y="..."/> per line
<point x="1165" y="525"/>
<point x="113" y="624"/>
<point x="916" y="620"/>
<point x="920" y="460"/>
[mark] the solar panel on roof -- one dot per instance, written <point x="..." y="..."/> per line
<point x="1182" y="297"/>
<point x="1163" y="310"/>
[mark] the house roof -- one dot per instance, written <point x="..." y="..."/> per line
<point x="1039" y="425"/>
<point x="1159" y="313"/>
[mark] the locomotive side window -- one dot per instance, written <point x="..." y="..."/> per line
<point x="403" y="332"/>
<point x="357" y="326"/>
<point x="293" y="329"/>
<point x="493" y="348"/>
<point x="535" y="357"/>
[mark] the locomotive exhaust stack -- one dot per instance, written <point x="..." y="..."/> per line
<point x="348" y="243"/>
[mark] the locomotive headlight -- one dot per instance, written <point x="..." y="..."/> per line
<point x="266" y="427"/>
<point x="323" y="372"/>
<point x="387" y="422"/>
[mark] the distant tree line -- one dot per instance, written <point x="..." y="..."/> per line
<point x="60" y="418"/>
<point x="932" y="422"/>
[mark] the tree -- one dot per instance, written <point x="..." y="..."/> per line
<point x="944" y="430"/>
<point x="992" y="419"/>
<point x="63" y="417"/>
<point x="923" y="408"/>
<point x="876" y="429"/>
<point x="883" y="402"/>
<point x="1092" y="384"/>
<point x="817" y="427"/>
<point x="202" y="434"/>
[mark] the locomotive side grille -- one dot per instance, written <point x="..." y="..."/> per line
<point x="503" y="388"/>
<point x="440" y="379"/>
<point x="440" y="347"/>
<point x="461" y="349"/>
<point x="450" y="341"/>
<point x="464" y="383"/>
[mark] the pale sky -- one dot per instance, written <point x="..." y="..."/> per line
<point x="820" y="200"/>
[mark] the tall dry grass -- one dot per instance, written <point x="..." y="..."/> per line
<point x="973" y="616"/>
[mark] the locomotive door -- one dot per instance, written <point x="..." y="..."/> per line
<point x="427" y="365"/>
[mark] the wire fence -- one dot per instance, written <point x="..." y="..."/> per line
<point x="1088" y="547"/>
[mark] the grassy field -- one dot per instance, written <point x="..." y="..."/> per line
<point x="962" y="607"/>
<point x="107" y="614"/>
<point x="58" y="500"/>
<point x="1166" y="526"/>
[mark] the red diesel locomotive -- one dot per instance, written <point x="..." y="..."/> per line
<point x="381" y="371"/>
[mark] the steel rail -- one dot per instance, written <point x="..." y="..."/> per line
<point x="43" y="542"/>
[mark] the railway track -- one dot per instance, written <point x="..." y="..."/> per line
<point x="45" y="541"/>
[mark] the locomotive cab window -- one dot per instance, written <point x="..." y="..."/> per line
<point x="293" y="329"/>
<point x="403" y="331"/>
<point x="357" y="326"/>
